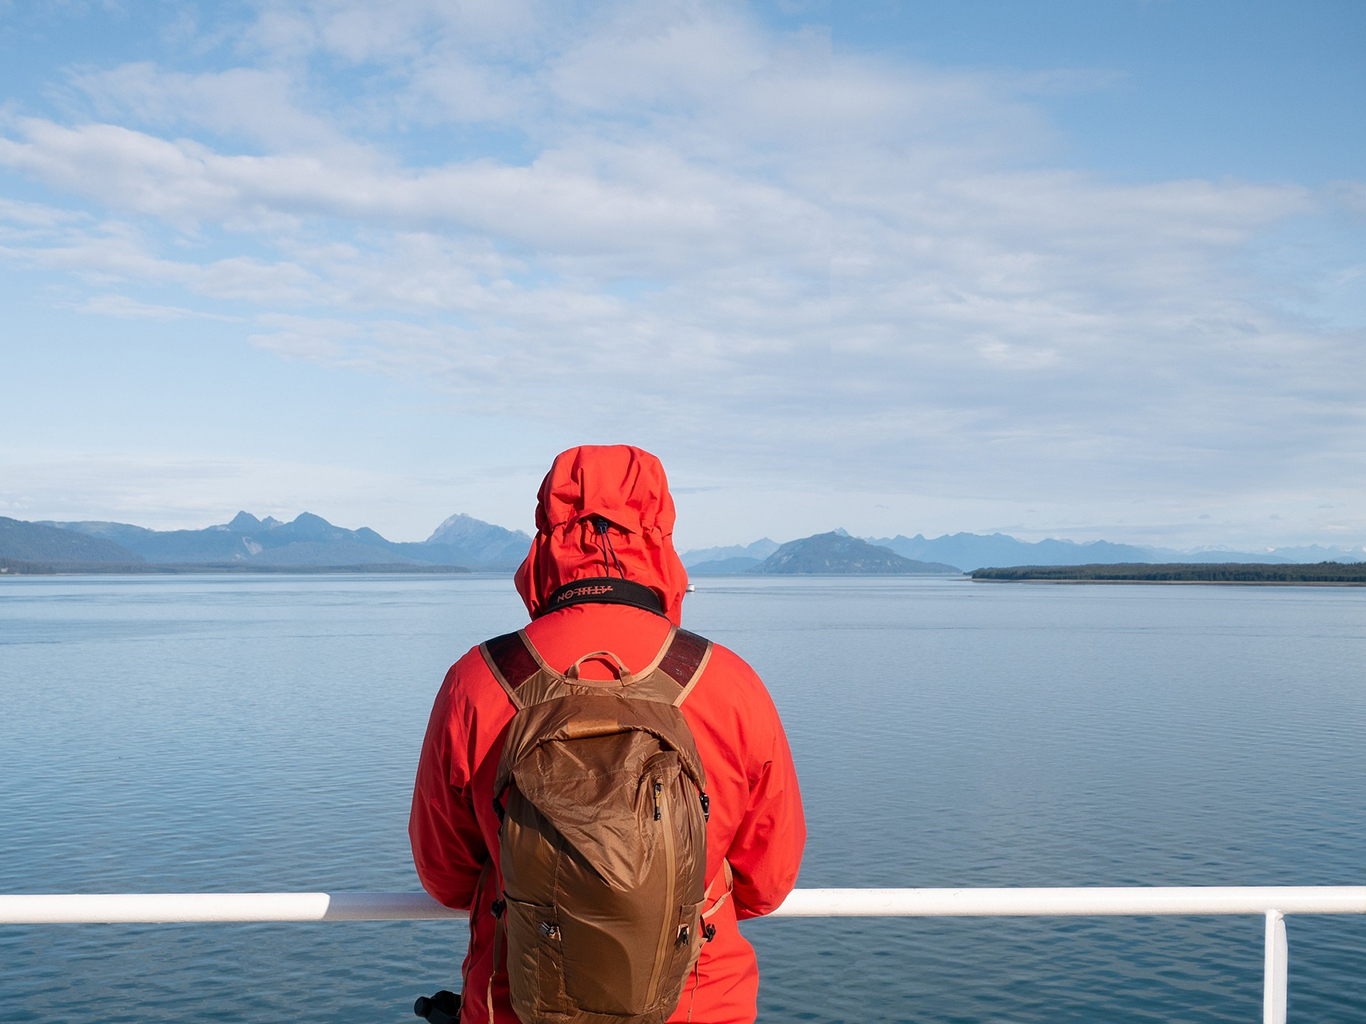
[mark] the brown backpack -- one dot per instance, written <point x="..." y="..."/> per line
<point x="602" y="801"/>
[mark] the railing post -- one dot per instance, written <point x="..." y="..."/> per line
<point x="1276" y="974"/>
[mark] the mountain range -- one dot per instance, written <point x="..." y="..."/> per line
<point x="309" y="541"/>
<point x="975" y="551"/>
<point x="753" y="554"/>
<point x="968" y="551"/>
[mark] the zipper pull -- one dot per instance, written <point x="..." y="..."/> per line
<point x="706" y="807"/>
<point x="659" y="788"/>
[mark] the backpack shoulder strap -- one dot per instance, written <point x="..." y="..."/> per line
<point x="687" y="655"/>
<point x="510" y="659"/>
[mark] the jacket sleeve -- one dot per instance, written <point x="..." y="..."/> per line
<point x="767" y="850"/>
<point x="448" y="848"/>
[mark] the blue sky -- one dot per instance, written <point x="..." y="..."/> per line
<point x="1056" y="268"/>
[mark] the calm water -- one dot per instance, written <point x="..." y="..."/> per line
<point x="261" y="734"/>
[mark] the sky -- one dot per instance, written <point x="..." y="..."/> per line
<point x="1051" y="267"/>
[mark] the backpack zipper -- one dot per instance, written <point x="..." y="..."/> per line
<point x="664" y="949"/>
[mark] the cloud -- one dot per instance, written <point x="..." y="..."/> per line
<point x="360" y="32"/>
<point x="114" y="254"/>
<point x="773" y="253"/>
<point x="128" y="308"/>
<point x="612" y="204"/>
<point x="239" y="104"/>
<point x="35" y="215"/>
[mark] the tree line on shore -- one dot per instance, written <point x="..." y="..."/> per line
<point x="1183" y="572"/>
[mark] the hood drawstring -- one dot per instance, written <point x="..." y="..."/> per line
<point x="602" y="526"/>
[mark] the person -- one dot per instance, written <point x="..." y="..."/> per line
<point x="606" y="512"/>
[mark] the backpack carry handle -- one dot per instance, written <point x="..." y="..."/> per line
<point x="623" y="673"/>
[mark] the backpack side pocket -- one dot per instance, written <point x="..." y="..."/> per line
<point x="535" y="958"/>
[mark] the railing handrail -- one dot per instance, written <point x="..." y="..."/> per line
<point x="1273" y="902"/>
<point x="1135" y="901"/>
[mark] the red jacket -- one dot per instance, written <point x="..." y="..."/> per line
<point x="756" y="816"/>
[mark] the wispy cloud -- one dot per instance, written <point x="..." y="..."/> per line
<point x="123" y="306"/>
<point x="792" y="256"/>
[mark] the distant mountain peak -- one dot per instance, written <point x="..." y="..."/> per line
<point x="479" y="543"/>
<point x="459" y="523"/>
<point x="244" y="522"/>
<point x="462" y="525"/>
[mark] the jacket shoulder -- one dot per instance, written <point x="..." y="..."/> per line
<point x="730" y="697"/>
<point x="726" y="664"/>
<point x="470" y="684"/>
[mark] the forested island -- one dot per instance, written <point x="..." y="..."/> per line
<point x="1323" y="573"/>
<point x="837" y="554"/>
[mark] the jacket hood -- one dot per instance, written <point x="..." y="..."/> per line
<point x="627" y="487"/>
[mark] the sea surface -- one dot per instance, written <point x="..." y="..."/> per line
<point x="261" y="733"/>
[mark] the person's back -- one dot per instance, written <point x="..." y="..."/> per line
<point x="606" y="513"/>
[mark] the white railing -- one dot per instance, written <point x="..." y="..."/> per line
<point x="1273" y="902"/>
